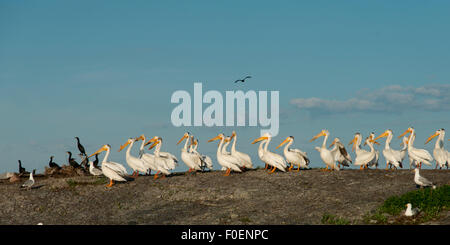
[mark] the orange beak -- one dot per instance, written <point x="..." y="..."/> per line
<point x="259" y="139"/>
<point x="282" y="143"/>
<point x="103" y="148"/>
<point x="123" y="146"/>
<point x="322" y="133"/>
<point x="184" y="137"/>
<point x="385" y="134"/>
<point x="431" y="137"/>
<point x="154" y="144"/>
<point x="332" y="143"/>
<point x="407" y="131"/>
<point x="354" y="143"/>
<point x="218" y="137"/>
<point x="151" y="140"/>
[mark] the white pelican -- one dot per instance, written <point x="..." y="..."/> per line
<point x="270" y="158"/>
<point x="147" y="158"/>
<point x="225" y="160"/>
<point x="170" y="159"/>
<point x="340" y="153"/>
<point x="163" y="163"/>
<point x="135" y="163"/>
<point x="404" y="150"/>
<point x="411" y="211"/>
<point x="439" y="153"/>
<point x="374" y="161"/>
<point x="358" y="151"/>
<point x="294" y="156"/>
<point x="421" y="181"/>
<point x="189" y="158"/>
<point x="364" y="158"/>
<point x="325" y="154"/>
<point x="112" y="170"/>
<point x="226" y="142"/>
<point x="418" y="155"/>
<point x="30" y="182"/>
<point x="393" y="157"/>
<point x="207" y="162"/>
<point x="244" y="158"/>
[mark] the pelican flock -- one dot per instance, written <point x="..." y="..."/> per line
<point x="334" y="157"/>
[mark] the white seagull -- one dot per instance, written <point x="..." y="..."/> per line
<point x="411" y="211"/>
<point x="421" y="181"/>
<point x="30" y="182"/>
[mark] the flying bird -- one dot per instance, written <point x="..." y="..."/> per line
<point x="242" y="80"/>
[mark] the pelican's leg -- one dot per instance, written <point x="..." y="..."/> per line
<point x="361" y="167"/>
<point x="267" y="166"/>
<point x="298" y="168"/>
<point x="110" y="183"/>
<point x="290" y="168"/>
<point x="156" y="175"/>
<point x="228" y="172"/>
<point x="273" y="170"/>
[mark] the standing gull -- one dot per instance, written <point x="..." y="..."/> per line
<point x="421" y="181"/>
<point x="30" y="182"/>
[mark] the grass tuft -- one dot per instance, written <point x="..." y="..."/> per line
<point x="430" y="202"/>
<point x="330" y="219"/>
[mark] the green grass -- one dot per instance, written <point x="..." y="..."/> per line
<point x="98" y="181"/>
<point x="330" y="219"/>
<point x="430" y="202"/>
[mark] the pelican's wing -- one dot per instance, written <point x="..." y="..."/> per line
<point x="301" y="154"/>
<point x="116" y="167"/>
<point x="343" y="151"/>
<point x="168" y="155"/>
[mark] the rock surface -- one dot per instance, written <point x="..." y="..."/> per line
<point x="252" y="197"/>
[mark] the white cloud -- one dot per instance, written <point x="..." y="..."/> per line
<point x="392" y="99"/>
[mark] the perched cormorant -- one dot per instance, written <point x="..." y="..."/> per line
<point x="96" y="161"/>
<point x="72" y="161"/>
<point x="242" y="80"/>
<point x="53" y="164"/>
<point x="22" y="169"/>
<point x="80" y="147"/>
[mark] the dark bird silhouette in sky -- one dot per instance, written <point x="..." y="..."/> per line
<point x="242" y="80"/>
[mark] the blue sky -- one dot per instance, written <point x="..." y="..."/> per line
<point x="105" y="70"/>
